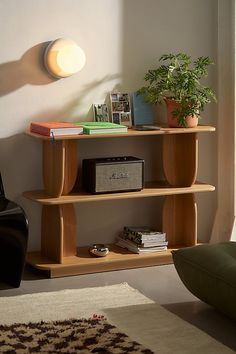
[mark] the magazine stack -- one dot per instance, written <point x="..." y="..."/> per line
<point x="142" y="239"/>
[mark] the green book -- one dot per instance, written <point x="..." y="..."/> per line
<point x="102" y="127"/>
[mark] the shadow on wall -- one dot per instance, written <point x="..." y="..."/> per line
<point x="15" y="153"/>
<point x="20" y="166"/>
<point x="28" y="69"/>
<point x="71" y="107"/>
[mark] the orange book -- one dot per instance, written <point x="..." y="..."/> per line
<point x="55" y="128"/>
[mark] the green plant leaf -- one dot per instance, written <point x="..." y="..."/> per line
<point x="178" y="76"/>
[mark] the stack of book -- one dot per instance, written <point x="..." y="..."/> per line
<point x="142" y="239"/>
<point x="58" y="128"/>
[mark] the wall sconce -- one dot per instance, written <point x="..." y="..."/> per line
<point x="63" y="58"/>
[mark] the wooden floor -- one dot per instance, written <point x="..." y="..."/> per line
<point x="160" y="283"/>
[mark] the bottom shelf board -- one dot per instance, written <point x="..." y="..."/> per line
<point x="117" y="259"/>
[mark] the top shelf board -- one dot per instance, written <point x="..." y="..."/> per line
<point x="131" y="133"/>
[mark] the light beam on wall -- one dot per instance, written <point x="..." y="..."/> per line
<point x="63" y="58"/>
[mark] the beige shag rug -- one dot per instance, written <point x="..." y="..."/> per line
<point x="132" y="313"/>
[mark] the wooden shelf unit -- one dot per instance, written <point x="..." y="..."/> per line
<point x="58" y="255"/>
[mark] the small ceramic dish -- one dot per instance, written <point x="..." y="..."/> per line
<point x="99" y="250"/>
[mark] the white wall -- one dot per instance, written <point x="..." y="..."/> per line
<point x="121" y="39"/>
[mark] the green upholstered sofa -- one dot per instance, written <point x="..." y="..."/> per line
<point x="209" y="272"/>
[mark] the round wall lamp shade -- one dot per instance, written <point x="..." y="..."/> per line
<point x="63" y="58"/>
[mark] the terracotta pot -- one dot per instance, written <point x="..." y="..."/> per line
<point x="173" y="122"/>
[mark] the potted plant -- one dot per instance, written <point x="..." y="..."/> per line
<point x="177" y="82"/>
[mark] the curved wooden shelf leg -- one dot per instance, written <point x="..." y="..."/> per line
<point x="179" y="220"/>
<point x="59" y="166"/>
<point x="70" y="166"/>
<point x="58" y="238"/>
<point x="180" y="159"/>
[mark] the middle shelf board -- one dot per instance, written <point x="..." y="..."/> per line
<point x="152" y="189"/>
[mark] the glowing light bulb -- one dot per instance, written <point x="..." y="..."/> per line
<point x="63" y="58"/>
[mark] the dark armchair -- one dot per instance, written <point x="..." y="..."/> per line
<point x="13" y="240"/>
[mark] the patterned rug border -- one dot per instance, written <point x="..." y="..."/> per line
<point x="71" y="336"/>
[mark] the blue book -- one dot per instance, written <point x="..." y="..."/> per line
<point x="143" y="113"/>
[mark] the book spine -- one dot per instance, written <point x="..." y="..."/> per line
<point x="34" y="128"/>
<point x="145" y="244"/>
<point x="136" y="249"/>
<point x="140" y="239"/>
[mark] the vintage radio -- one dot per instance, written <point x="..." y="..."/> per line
<point x="113" y="174"/>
